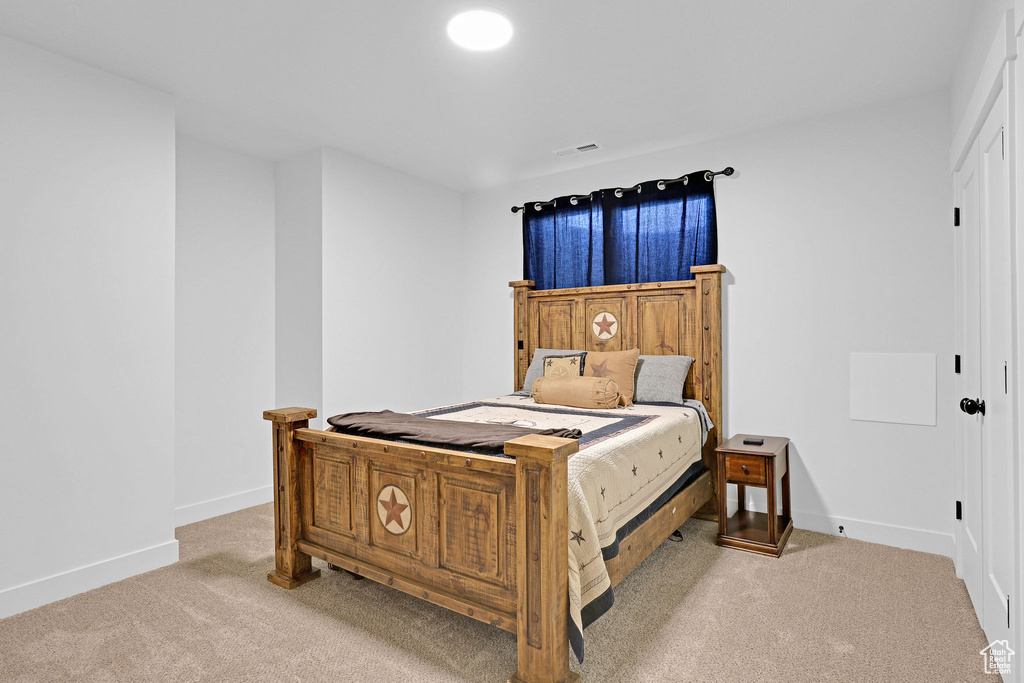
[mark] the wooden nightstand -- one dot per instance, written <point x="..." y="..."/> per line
<point x="763" y="466"/>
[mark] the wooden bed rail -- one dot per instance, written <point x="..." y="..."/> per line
<point x="484" y="536"/>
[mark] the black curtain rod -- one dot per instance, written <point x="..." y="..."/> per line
<point x="708" y="176"/>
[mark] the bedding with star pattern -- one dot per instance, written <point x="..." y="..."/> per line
<point x="631" y="462"/>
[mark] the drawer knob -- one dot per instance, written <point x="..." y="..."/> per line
<point x="743" y="467"/>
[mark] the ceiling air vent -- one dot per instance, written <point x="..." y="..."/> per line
<point x="570" y="151"/>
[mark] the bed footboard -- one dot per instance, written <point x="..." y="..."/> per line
<point x="480" y="535"/>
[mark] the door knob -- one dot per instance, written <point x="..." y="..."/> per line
<point x="972" y="406"/>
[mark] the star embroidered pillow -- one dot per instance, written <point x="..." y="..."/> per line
<point x="616" y="365"/>
<point x="564" y="366"/>
<point x="536" y="369"/>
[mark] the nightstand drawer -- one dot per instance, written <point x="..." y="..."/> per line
<point x="745" y="469"/>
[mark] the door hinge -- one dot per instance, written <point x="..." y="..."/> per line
<point x="956" y="216"/>
<point x="959" y="510"/>
<point x="956" y="364"/>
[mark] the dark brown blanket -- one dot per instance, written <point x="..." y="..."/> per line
<point x="476" y="437"/>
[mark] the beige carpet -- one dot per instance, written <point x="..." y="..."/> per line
<point x="829" y="609"/>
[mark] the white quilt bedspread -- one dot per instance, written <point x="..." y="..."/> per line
<point x="628" y="457"/>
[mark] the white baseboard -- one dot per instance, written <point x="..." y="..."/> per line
<point x="197" y="512"/>
<point x="72" y="582"/>
<point x="874" y="532"/>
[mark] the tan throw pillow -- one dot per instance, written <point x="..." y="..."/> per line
<point x="579" y="392"/>
<point x="564" y="366"/>
<point x="617" y="365"/>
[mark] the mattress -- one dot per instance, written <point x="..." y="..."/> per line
<point x="630" y="462"/>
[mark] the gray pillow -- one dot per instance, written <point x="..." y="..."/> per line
<point x="660" y="379"/>
<point x="536" y="369"/>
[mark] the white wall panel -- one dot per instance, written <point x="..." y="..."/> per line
<point x="224" y="330"/>
<point x="298" y="283"/>
<point x="369" y="270"/>
<point x="87" y="331"/>
<point x="392" y="273"/>
<point x="893" y="387"/>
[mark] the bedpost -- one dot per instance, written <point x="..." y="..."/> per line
<point x="709" y="377"/>
<point x="542" y="561"/>
<point x="294" y="567"/>
<point x="520" y="329"/>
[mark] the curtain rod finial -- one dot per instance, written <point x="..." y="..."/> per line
<point x="517" y="209"/>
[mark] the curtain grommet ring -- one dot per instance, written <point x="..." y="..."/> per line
<point x="536" y="207"/>
<point x="618" y="192"/>
<point x="661" y="184"/>
<point x="572" y="200"/>
<point x="686" y="179"/>
<point x="708" y="175"/>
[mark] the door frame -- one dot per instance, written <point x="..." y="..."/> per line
<point x="998" y="74"/>
<point x="1003" y="81"/>
<point x="965" y="431"/>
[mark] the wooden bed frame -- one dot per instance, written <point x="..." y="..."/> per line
<point x="481" y="535"/>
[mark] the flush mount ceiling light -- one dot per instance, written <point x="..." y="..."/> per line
<point x="480" y="29"/>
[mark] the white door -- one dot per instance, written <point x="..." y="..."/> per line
<point x="984" y="330"/>
<point x="968" y="383"/>
<point x="996" y="340"/>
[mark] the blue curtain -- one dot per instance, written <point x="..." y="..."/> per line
<point x="646" y="235"/>
<point x="563" y="244"/>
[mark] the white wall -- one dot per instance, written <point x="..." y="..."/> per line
<point x="368" y="275"/>
<point x="836" y="233"/>
<point x="977" y="42"/>
<point x="298" y="281"/>
<point x="224" y="330"/>
<point x="87" y="332"/>
<point x="392" y="272"/>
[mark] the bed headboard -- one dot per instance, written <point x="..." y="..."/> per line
<point x="659" y="318"/>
